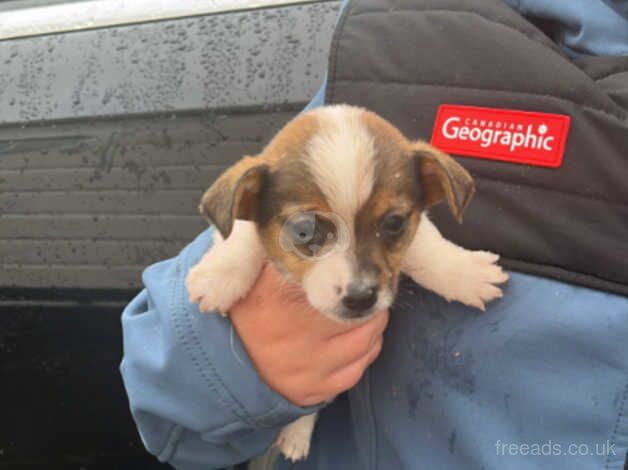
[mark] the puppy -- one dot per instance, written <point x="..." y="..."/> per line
<point x="337" y="201"/>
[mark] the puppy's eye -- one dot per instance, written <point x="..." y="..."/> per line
<point x="394" y="224"/>
<point x="311" y="233"/>
<point x="303" y="229"/>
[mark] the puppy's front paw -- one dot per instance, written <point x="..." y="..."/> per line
<point x="216" y="287"/>
<point x="293" y="443"/>
<point x="477" y="284"/>
<point x="294" y="439"/>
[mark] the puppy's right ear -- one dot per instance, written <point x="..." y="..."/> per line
<point x="443" y="178"/>
<point x="234" y="194"/>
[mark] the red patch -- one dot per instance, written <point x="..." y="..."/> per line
<point x="501" y="134"/>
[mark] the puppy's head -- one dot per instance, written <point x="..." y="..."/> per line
<point x="337" y="197"/>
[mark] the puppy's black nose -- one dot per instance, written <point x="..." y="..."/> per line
<point x="360" y="297"/>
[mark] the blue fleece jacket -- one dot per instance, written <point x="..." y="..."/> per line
<point x="539" y="381"/>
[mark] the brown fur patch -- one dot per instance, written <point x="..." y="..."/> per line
<point x="440" y="176"/>
<point x="290" y="190"/>
<point x="374" y="251"/>
<point x="290" y="141"/>
<point x="410" y="177"/>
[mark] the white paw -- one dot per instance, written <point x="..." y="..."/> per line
<point x="294" y="439"/>
<point x="476" y="283"/>
<point x="217" y="286"/>
<point x="293" y="446"/>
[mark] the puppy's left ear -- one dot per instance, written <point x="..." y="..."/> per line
<point x="441" y="177"/>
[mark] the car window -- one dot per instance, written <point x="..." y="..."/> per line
<point x="21" y="18"/>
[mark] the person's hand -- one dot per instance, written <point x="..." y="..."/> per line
<point x="301" y="354"/>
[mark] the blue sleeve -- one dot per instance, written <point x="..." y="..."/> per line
<point x="194" y="394"/>
<point x="582" y="27"/>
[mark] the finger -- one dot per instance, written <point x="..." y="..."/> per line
<point x="349" y="376"/>
<point x="325" y="388"/>
<point x="349" y="346"/>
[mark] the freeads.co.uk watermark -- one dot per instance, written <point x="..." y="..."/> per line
<point x="550" y="448"/>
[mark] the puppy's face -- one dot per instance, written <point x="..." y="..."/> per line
<point x="337" y="197"/>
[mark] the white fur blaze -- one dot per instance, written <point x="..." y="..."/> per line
<point x="341" y="157"/>
<point x="294" y="439"/>
<point x="469" y="277"/>
<point x="228" y="270"/>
